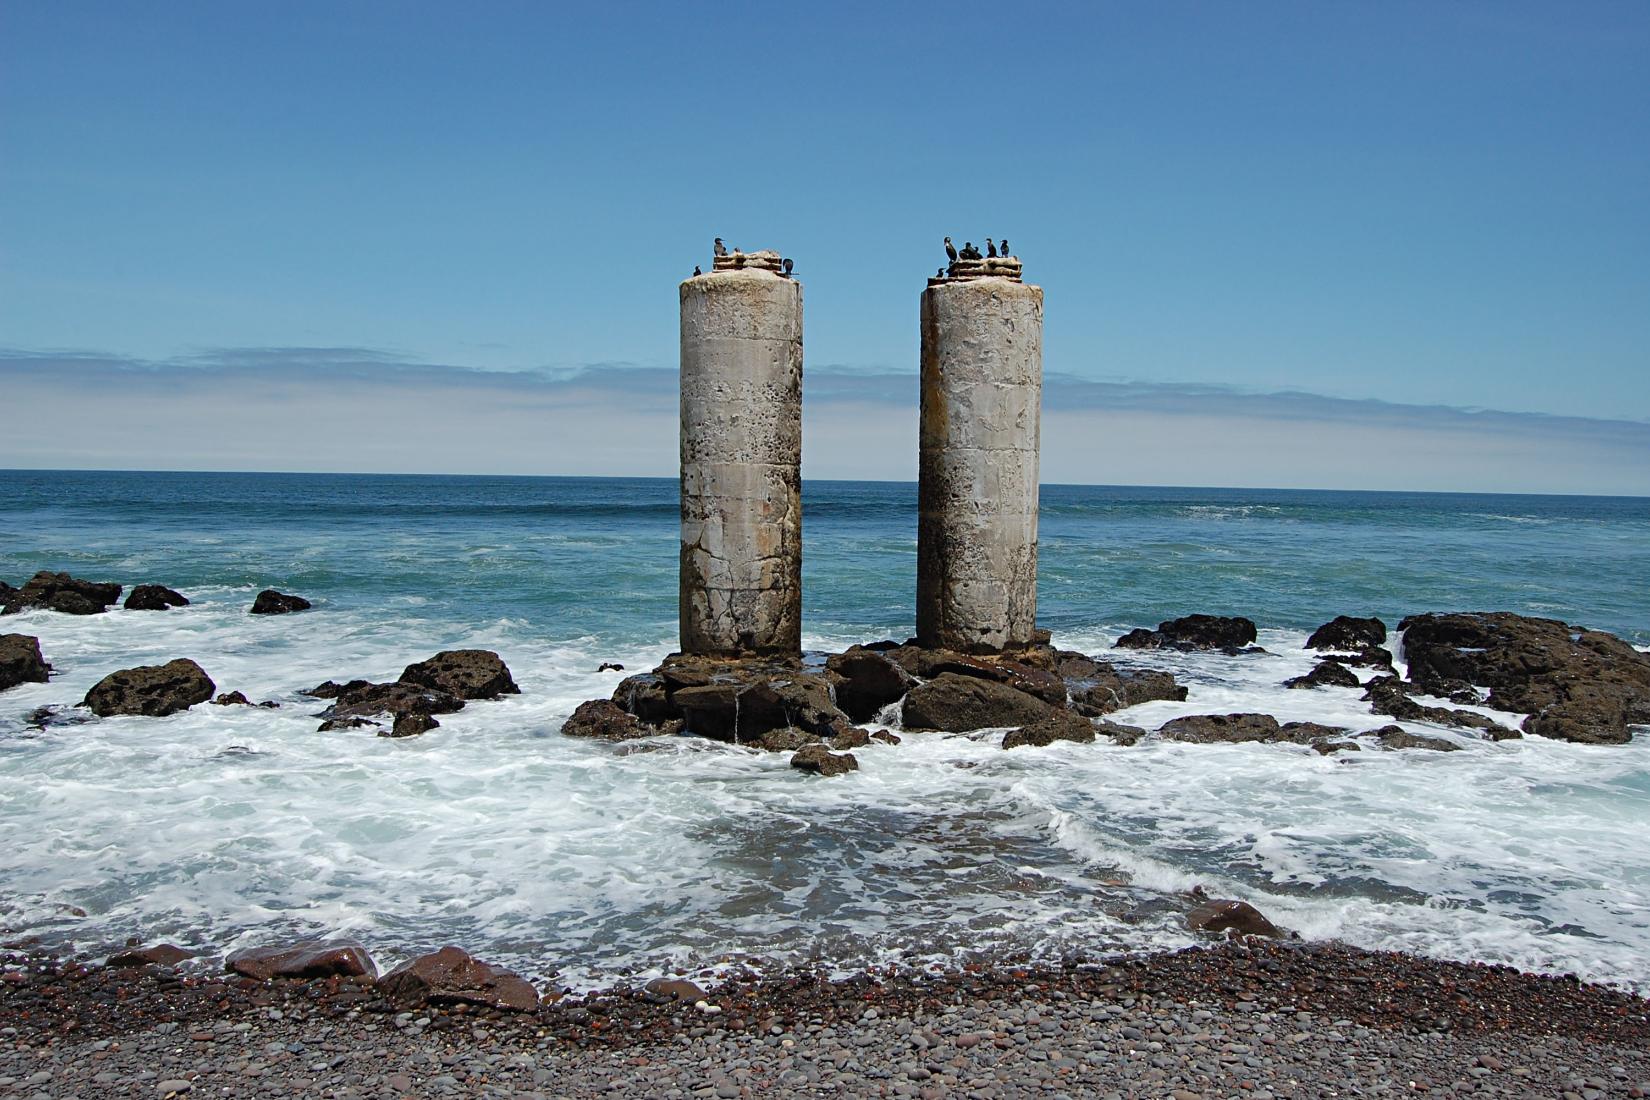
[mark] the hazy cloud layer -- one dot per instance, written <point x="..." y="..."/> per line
<point x="358" y="409"/>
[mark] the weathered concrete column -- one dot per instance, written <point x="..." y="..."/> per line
<point x="741" y="572"/>
<point x="982" y="386"/>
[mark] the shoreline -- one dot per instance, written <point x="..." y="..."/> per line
<point x="1237" y="1017"/>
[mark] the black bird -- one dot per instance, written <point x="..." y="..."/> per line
<point x="721" y="249"/>
<point x="969" y="252"/>
<point x="787" y="265"/>
<point x="940" y="274"/>
<point x="990" y="249"/>
<point x="1003" y="248"/>
<point x="950" y="250"/>
<point x="696" y="270"/>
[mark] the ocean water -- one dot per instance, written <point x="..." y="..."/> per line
<point x="586" y="863"/>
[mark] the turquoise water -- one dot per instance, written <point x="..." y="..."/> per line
<point x="222" y="824"/>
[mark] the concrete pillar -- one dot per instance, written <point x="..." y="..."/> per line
<point x="741" y="569"/>
<point x="982" y="386"/>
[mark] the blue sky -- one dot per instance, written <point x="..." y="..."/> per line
<point x="1432" y="207"/>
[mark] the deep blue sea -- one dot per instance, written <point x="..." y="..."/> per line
<point x="225" y="826"/>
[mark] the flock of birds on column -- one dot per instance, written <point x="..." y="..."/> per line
<point x="739" y="259"/>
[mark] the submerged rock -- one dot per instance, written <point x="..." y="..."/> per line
<point x="271" y="602"/>
<point x="1325" y="674"/>
<point x="1114" y="690"/>
<point x="152" y="690"/>
<point x="1206" y="729"/>
<point x="453" y="976"/>
<point x="154" y="597"/>
<point x="160" y="954"/>
<point x="817" y="758"/>
<point x="1389" y="695"/>
<point x="1118" y="732"/>
<point x="59" y="592"/>
<point x="956" y="704"/>
<point x="1349" y="633"/>
<point x="307" y="960"/>
<point x="1234" y="918"/>
<point x="1060" y="726"/>
<point x="410" y="724"/>
<point x="1229" y="633"/>
<point x="1396" y="737"/>
<point x="466" y="673"/>
<point x="392" y="700"/>
<point x="21" y="661"/>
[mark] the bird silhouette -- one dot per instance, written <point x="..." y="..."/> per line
<point x="787" y="265"/>
<point x="969" y="251"/>
<point x="950" y="250"/>
<point x="1003" y="248"/>
<point x="696" y="270"/>
<point x="940" y="274"/>
<point x="990" y="249"/>
<point x="721" y="249"/>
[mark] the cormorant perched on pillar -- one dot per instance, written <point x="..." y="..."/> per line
<point x="950" y="250"/>
<point x="1003" y="248"/>
<point x="696" y="270"/>
<point x="969" y="252"/>
<point x="721" y="249"/>
<point x="787" y="265"/>
<point x="940" y="274"/>
<point x="990" y="249"/>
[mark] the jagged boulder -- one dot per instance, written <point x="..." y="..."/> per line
<point x="1231" y="918"/>
<point x="1062" y="725"/>
<point x="152" y="690"/>
<point x="154" y="597"/>
<point x="605" y="720"/>
<point x="59" y="592"/>
<point x="391" y="700"/>
<point x="1389" y="695"/>
<point x="1396" y="737"/>
<point x="271" y="602"/>
<point x="646" y="696"/>
<point x="1348" y="633"/>
<point x="410" y="724"/>
<point x="1118" y="732"/>
<point x="866" y="681"/>
<point x="745" y="709"/>
<point x="956" y="703"/>
<point x="1228" y="633"/>
<point x="1204" y="729"/>
<point x="822" y="761"/>
<point x="466" y="673"/>
<point x="1028" y="676"/>
<point x="21" y="661"/>
<point x="453" y="976"/>
<point x="1113" y="690"/>
<point x="1325" y="674"/>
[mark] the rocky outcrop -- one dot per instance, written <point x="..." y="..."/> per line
<point x="21" y="661"/>
<point x="1231" y="634"/>
<point x="1326" y="748"/>
<point x="1575" y="684"/>
<point x="152" y="690"/>
<point x="391" y="701"/>
<point x="1325" y="674"/>
<point x="605" y="720"/>
<point x="307" y="960"/>
<point x="866" y="681"/>
<point x="465" y="673"/>
<point x="1348" y="633"/>
<point x="1389" y="695"/>
<point x="1396" y="737"/>
<point x="1105" y="689"/>
<point x="59" y="592"/>
<point x="822" y="761"/>
<point x="410" y="724"/>
<point x="957" y="703"/>
<point x="154" y="597"/>
<point x="1118" y="732"/>
<point x="1232" y="918"/>
<point x="453" y="976"/>
<point x="1025" y="671"/>
<point x="1062" y="725"/>
<point x="1205" y="729"/>
<point x="271" y="602"/>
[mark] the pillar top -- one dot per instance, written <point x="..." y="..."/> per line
<point x="989" y="267"/>
<point x="732" y="259"/>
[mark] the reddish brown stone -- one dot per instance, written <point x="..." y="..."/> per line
<point x="451" y="976"/>
<point x="309" y="959"/>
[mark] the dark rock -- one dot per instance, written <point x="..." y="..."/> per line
<point x="1396" y="737"/>
<point x="646" y="697"/>
<point x="1022" y="675"/>
<point x="452" y="976"/>
<point x="271" y="602"/>
<point x="154" y="597"/>
<point x="232" y="699"/>
<point x="1114" y="690"/>
<point x="957" y="703"/>
<point x="59" y="592"/>
<point x="786" y="740"/>
<point x="1118" y="732"/>
<point x="1069" y="665"/>
<point x="866" y="681"/>
<point x="306" y="960"/>
<point x="609" y="666"/>
<point x="153" y="690"/>
<point x="1576" y="684"/>
<point x="1389" y="695"/>
<point x="850" y="737"/>
<point x="160" y="954"/>
<point x="1305" y="733"/>
<point x="662" y="991"/>
<point x="604" y="720"/>
<point x="21" y="661"/>
<point x="1325" y="674"/>
<point x="758" y="700"/>
<point x="1347" y="632"/>
<point x="1222" y="728"/>
<point x="1222" y="632"/>
<point x="370" y="700"/>
<point x="1062" y="725"/>
<point x="332" y="724"/>
<point x="332" y="689"/>
<point x="466" y="673"/>
<point x="1324" y="748"/>
<point x="885" y="737"/>
<point x="1369" y="656"/>
<point x="1234" y="918"/>
<point x="817" y="758"/>
<point x="410" y="724"/>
